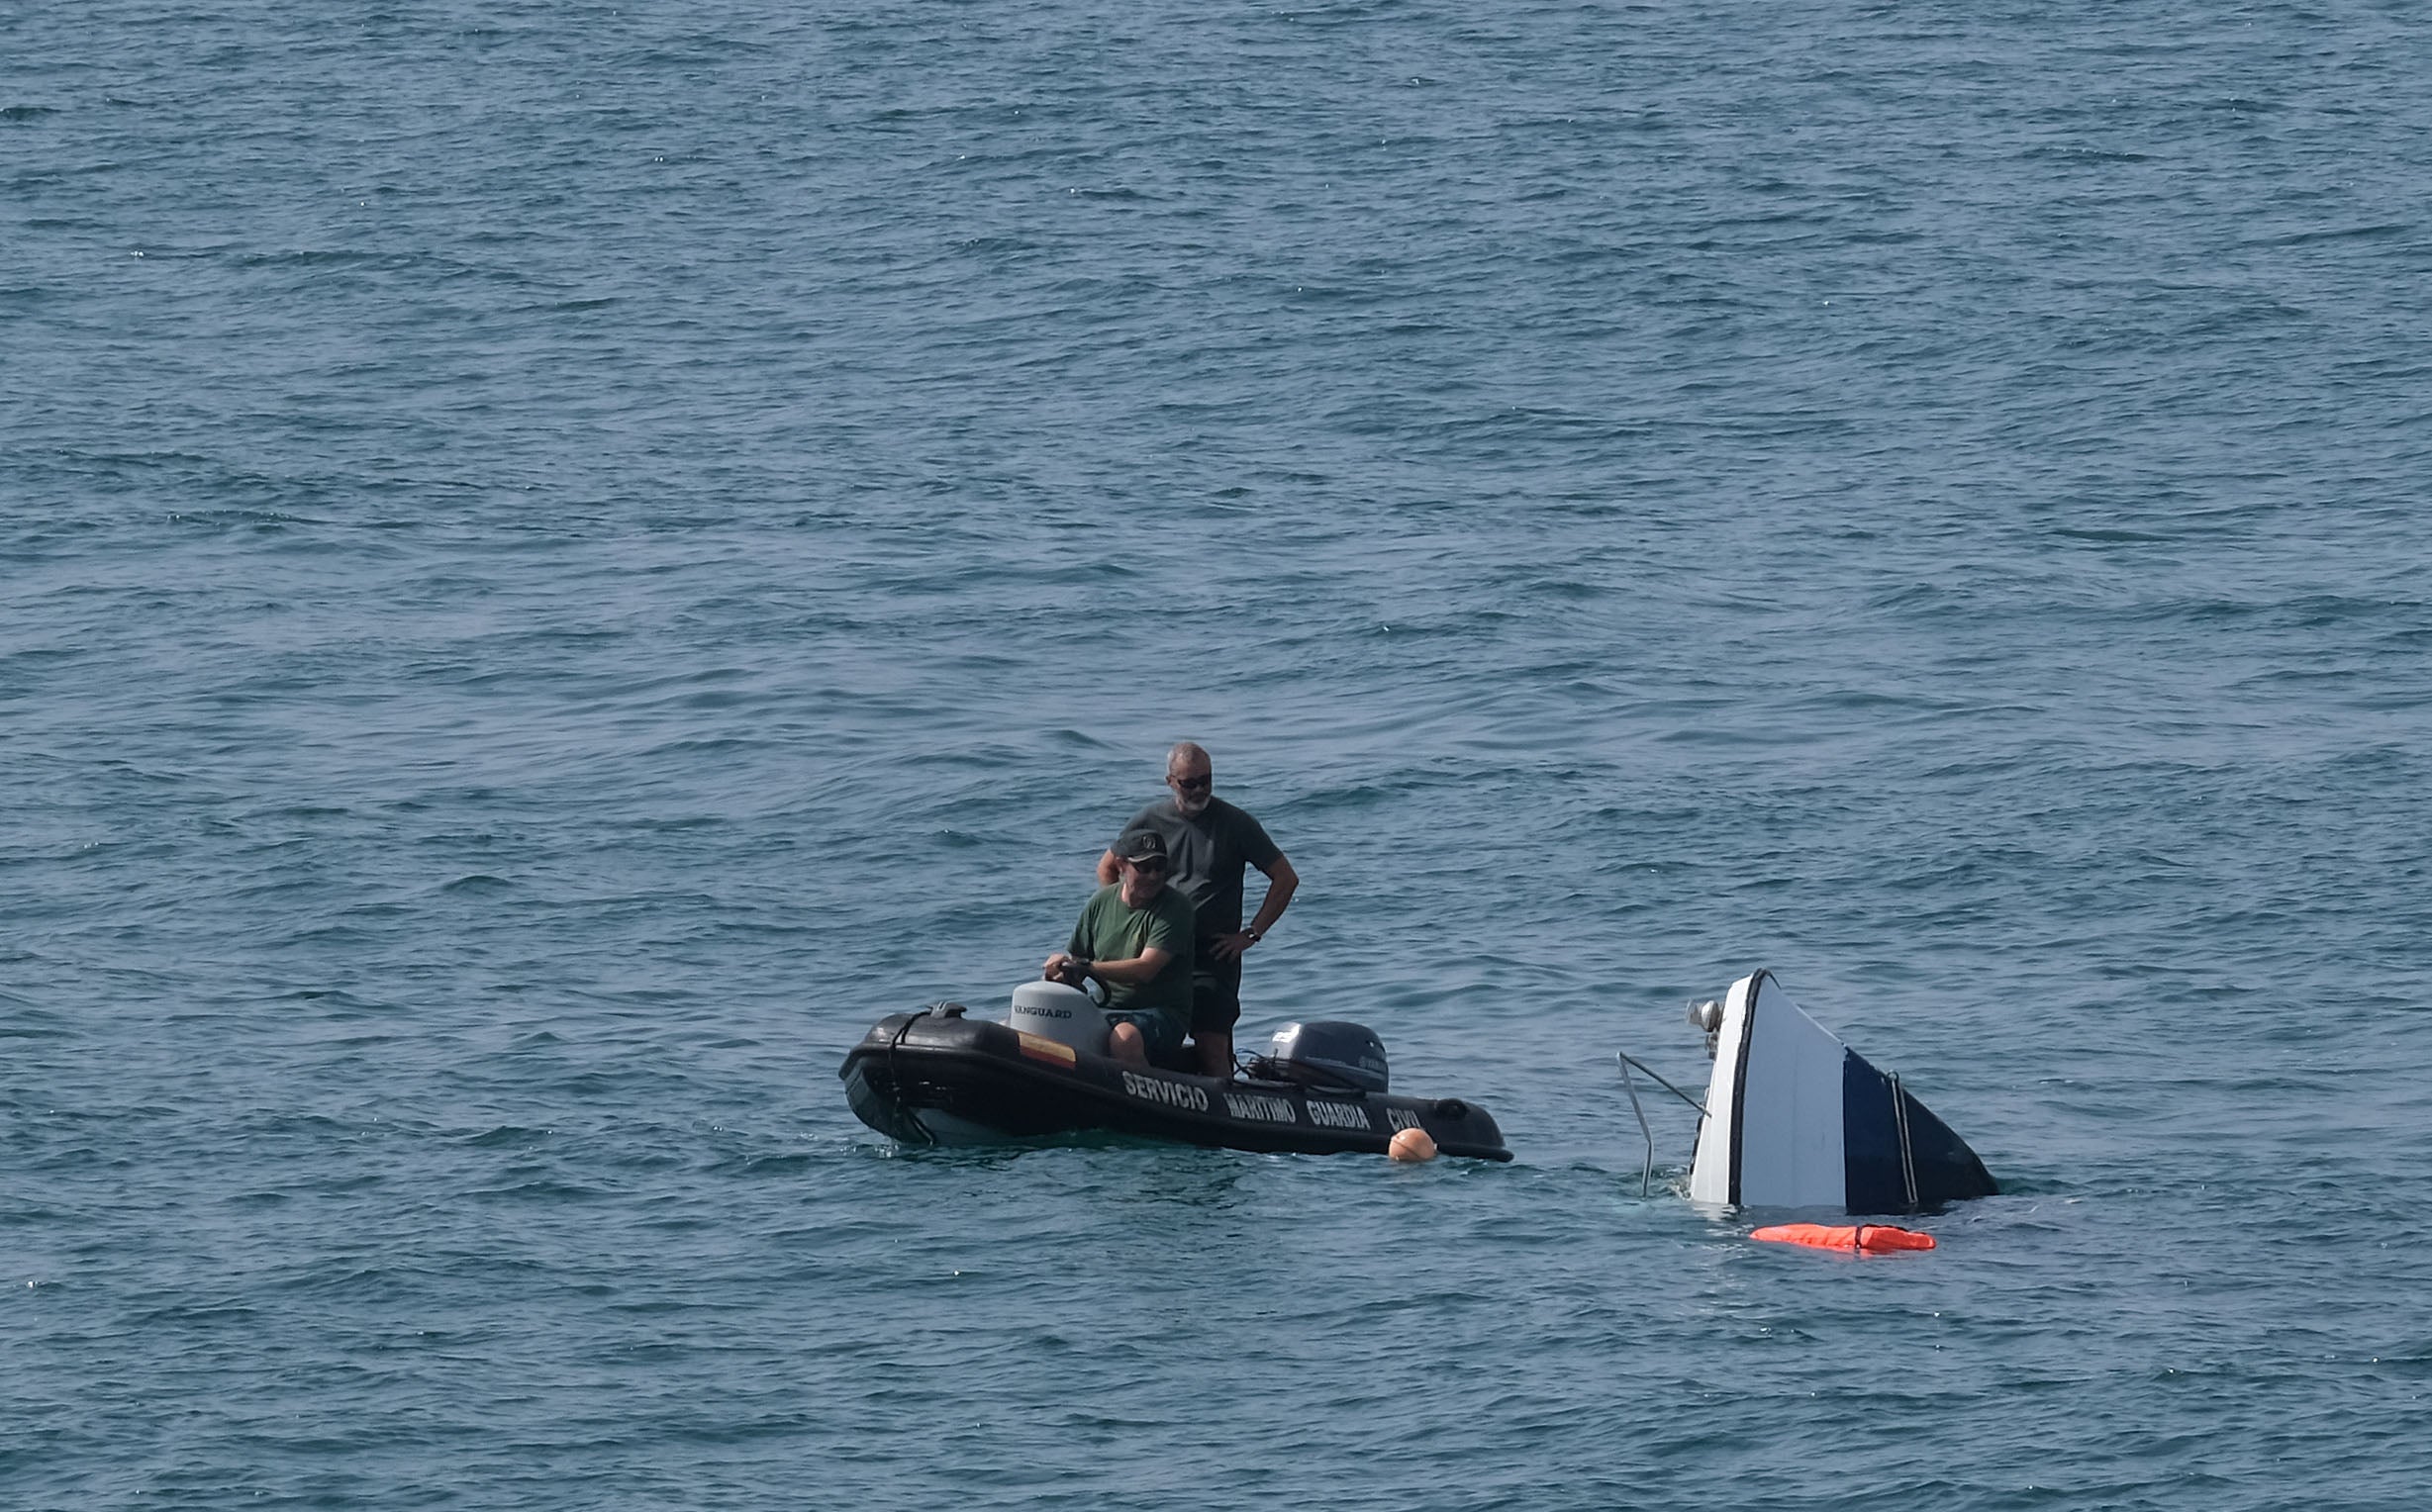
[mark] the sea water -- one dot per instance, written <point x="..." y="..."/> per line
<point x="558" y="561"/>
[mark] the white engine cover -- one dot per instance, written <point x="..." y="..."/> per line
<point x="1064" y="1015"/>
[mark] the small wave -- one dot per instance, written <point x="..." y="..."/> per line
<point x="2380" y="230"/>
<point x="541" y="1191"/>
<point x="508" y="1136"/>
<point x="223" y="1314"/>
<point x="23" y="1022"/>
<point x="315" y="257"/>
<point x="2112" y="535"/>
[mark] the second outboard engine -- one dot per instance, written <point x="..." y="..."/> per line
<point x="1329" y="1053"/>
<point x="1064" y="1015"/>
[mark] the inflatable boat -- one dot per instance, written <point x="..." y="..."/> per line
<point x="942" y="1077"/>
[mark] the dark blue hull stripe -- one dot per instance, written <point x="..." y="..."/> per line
<point x="1944" y="1168"/>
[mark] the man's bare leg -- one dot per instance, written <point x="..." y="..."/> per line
<point x="1215" y="1051"/>
<point x="1123" y="1043"/>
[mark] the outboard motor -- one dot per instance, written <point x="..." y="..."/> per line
<point x="1064" y="1015"/>
<point x="1326" y="1054"/>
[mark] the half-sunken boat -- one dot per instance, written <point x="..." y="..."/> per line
<point x="1795" y="1119"/>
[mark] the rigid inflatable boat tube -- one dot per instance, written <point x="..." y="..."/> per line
<point x="940" y="1076"/>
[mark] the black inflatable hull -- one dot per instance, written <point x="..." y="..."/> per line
<point x="938" y="1078"/>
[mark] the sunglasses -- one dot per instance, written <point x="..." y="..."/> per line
<point x="1194" y="784"/>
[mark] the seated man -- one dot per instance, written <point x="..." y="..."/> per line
<point x="1135" y="935"/>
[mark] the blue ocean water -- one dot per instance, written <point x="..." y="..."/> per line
<point x="559" y="560"/>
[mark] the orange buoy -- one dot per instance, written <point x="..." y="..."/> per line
<point x="1413" y="1145"/>
<point x="1865" y="1238"/>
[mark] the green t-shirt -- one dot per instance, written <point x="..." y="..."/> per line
<point x="1111" y="930"/>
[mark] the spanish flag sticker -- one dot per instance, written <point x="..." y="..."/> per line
<point x="1040" y="1048"/>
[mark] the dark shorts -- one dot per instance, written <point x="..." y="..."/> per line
<point x="1216" y="994"/>
<point x="1162" y="1034"/>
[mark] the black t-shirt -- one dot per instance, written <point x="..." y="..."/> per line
<point x="1206" y="855"/>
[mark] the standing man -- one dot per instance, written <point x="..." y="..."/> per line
<point x="1209" y="842"/>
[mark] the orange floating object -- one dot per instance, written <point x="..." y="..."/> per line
<point x="1413" y="1145"/>
<point x="1866" y="1238"/>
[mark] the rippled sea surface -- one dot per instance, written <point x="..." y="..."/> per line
<point x="557" y="561"/>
